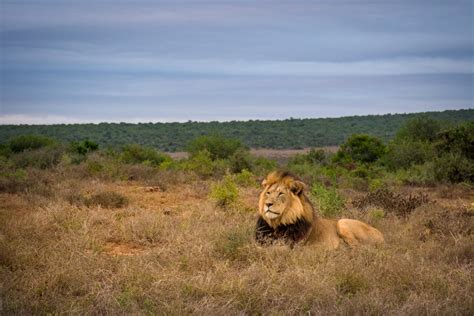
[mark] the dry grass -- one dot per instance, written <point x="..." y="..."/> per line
<point x="174" y="252"/>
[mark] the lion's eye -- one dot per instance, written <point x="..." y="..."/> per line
<point x="280" y="194"/>
<point x="268" y="192"/>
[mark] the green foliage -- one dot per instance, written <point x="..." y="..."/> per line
<point x="29" y="142"/>
<point x="225" y="193"/>
<point x="245" y="178"/>
<point x="84" y="147"/>
<point x="255" y="134"/>
<point x="217" y="146"/>
<point x="422" y="128"/>
<point x="405" y="153"/>
<point x="41" y="158"/>
<point x="313" y="157"/>
<point x="240" y="160"/>
<point x="454" y="168"/>
<point x="201" y="163"/>
<point x="262" y="165"/>
<point x="360" y="148"/>
<point x="377" y="213"/>
<point x="11" y="180"/>
<point x="136" y="154"/>
<point x="329" y="202"/>
<point x="459" y="140"/>
<point x="417" y="174"/>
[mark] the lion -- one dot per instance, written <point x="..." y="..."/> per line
<point x="286" y="214"/>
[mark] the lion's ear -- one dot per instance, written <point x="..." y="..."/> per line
<point x="297" y="187"/>
<point x="264" y="182"/>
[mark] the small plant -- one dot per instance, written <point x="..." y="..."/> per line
<point x="225" y="193"/>
<point x="106" y="199"/>
<point x="245" y="178"/>
<point x="230" y="244"/>
<point x="391" y="202"/>
<point x="350" y="284"/>
<point x="377" y="213"/>
<point x="329" y="202"/>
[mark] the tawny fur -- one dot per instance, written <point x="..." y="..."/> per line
<point x="283" y="202"/>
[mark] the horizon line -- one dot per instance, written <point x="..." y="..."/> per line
<point x="72" y="121"/>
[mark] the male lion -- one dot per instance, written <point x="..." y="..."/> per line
<point x="286" y="214"/>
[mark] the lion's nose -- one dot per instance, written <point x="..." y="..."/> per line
<point x="268" y="204"/>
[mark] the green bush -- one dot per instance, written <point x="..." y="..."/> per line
<point x="28" y="142"/>
<point x="329" y="202"/>
<point x="245" y="178"/>
<point x="313" y="157"/>
<point x="422" y="129"/>
<point x="225" y="193"/>
<point x="217" y="146"/>
<point x="202" y="164"/>
<point x="136" y="154"/>
<point x="360" y="148"/>
<point x="84" y="147"/>
<point x="454" y="168"/>
<point x="240" y="160"/>
<point x="417" y="174"/>
<point x="41" y="158"/>
<point x="406" y="153"/>
<point x="459" y="140"/>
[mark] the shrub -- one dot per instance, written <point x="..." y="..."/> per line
<point x="84" y="147"/>
<point x="28" y="142"/>
<point x="230" y="245"/>
<point x="458" y="140"/>
<point x="262" y="165"/>
<point x="225" y="193"/>
<point x="391" y="202"/>
<point x="13" y="181"/>
<point x="329" y="202"/>
<point x="454" y="168"/>
<point x="406" y="153"/>
<point x="135" y="154"/>
<point x="420" y="128"/>
<point x="245" y="178"/>
<point x="360" y="148"/>
<point x="200" y="163"/>
<point x="418" y="174"/>
<point x="240" y="160"/>
<point x="41" y="158"/>
<point x="217" y="146"/>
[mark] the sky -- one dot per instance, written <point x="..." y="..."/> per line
<point x="160" y="61"/>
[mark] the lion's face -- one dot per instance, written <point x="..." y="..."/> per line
<point x="275" y="200"/>
<point x="280" y="201"/>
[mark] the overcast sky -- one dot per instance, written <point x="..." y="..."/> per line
<point x="146" y="61"/>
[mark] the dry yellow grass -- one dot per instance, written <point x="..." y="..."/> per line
<point x="175" y="252"/>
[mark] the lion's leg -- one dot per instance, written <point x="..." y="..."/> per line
<point x="354" y="232"/>
<point x="344" y="230"/>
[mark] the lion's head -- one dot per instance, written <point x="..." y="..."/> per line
<point x="282" y="201"/>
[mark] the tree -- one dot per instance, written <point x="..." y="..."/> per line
<point x="217" y="146"/>
<point x="360" y="148"/>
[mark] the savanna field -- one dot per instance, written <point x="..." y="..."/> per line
<point x="130" y="230"/>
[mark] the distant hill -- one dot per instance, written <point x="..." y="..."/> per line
<point x="280" y="134"/>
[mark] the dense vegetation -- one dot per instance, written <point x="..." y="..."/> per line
<point x="284" y="134"/>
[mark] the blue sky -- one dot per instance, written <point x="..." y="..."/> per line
<point x="147" y="61"/>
